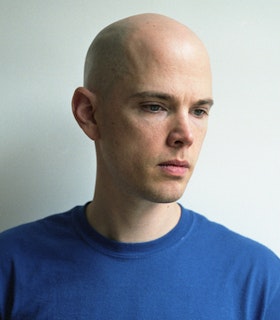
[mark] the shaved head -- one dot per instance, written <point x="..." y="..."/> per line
<point x="120" y="45"/>
<point x="146" y="98"/>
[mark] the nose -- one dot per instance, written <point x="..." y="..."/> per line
<point x="181" y="133"/>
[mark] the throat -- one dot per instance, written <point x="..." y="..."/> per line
<point x="133" y="226"/>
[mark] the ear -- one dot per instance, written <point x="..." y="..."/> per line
<point x="84" y="104"/>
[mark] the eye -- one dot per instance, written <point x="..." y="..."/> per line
<point x="200" y="113"/>
<point x="153" y="108"/>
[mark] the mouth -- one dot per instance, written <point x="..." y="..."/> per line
<point x="175" y="163"/>
<point x="175" y="167"/>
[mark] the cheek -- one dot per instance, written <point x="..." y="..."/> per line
<point x="136" y="133"/>
<point x="128" y="137"/>
<point x="119" y="140"/>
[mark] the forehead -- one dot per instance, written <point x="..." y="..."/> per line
<point x="158" y="61"/>
<point x="171" y="79"/>
<point x="165" y="63"/>
<point x="173" y="88"/>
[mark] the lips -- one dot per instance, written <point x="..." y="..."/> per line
<point x="175" y="163"/>
<point x="175" y="167"/>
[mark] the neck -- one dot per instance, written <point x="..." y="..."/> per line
<point x="132" y="221"/>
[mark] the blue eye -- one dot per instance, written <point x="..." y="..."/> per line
<point x="199" y="113"/>
<point x="153" y="108"/>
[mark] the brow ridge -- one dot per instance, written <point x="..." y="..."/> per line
<point x="168" y="97"/>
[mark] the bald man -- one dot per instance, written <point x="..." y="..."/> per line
<point x="133" y="252"/>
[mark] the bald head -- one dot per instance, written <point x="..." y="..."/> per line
<point x="120" y="45"/>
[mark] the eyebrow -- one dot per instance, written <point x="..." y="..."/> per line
<point x="201" y="102"/>
<point x="168" y="97"/>
<point x="152" y="94"/>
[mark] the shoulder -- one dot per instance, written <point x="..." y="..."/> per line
<point x="225" y="243"/>
<point x="246" y="264"/>
<point x="32" y="234"/>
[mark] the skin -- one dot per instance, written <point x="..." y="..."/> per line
<point x="145" y="103"/>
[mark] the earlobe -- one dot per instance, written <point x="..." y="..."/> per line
<point x="83" y="107"/>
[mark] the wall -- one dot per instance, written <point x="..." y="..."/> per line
<point x="47" y="164"/>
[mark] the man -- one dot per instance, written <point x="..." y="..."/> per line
<point x="133" y="252"/>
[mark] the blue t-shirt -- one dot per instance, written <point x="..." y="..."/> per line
<point x="60" y="268"/>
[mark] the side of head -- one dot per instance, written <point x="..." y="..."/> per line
<point x="105" y="59"/>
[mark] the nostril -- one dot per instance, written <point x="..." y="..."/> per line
<point x="179" y="140"/>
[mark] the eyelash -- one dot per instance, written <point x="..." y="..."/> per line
<point x="148" y="107"/>
<point x="202" y="113"/>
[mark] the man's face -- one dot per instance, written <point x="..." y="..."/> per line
<point x="152" y="125"/>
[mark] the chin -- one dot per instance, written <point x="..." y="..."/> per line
<point x="168" y="199"/>
<point x="165" y="197"/>
<point x="161" y="192"/>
